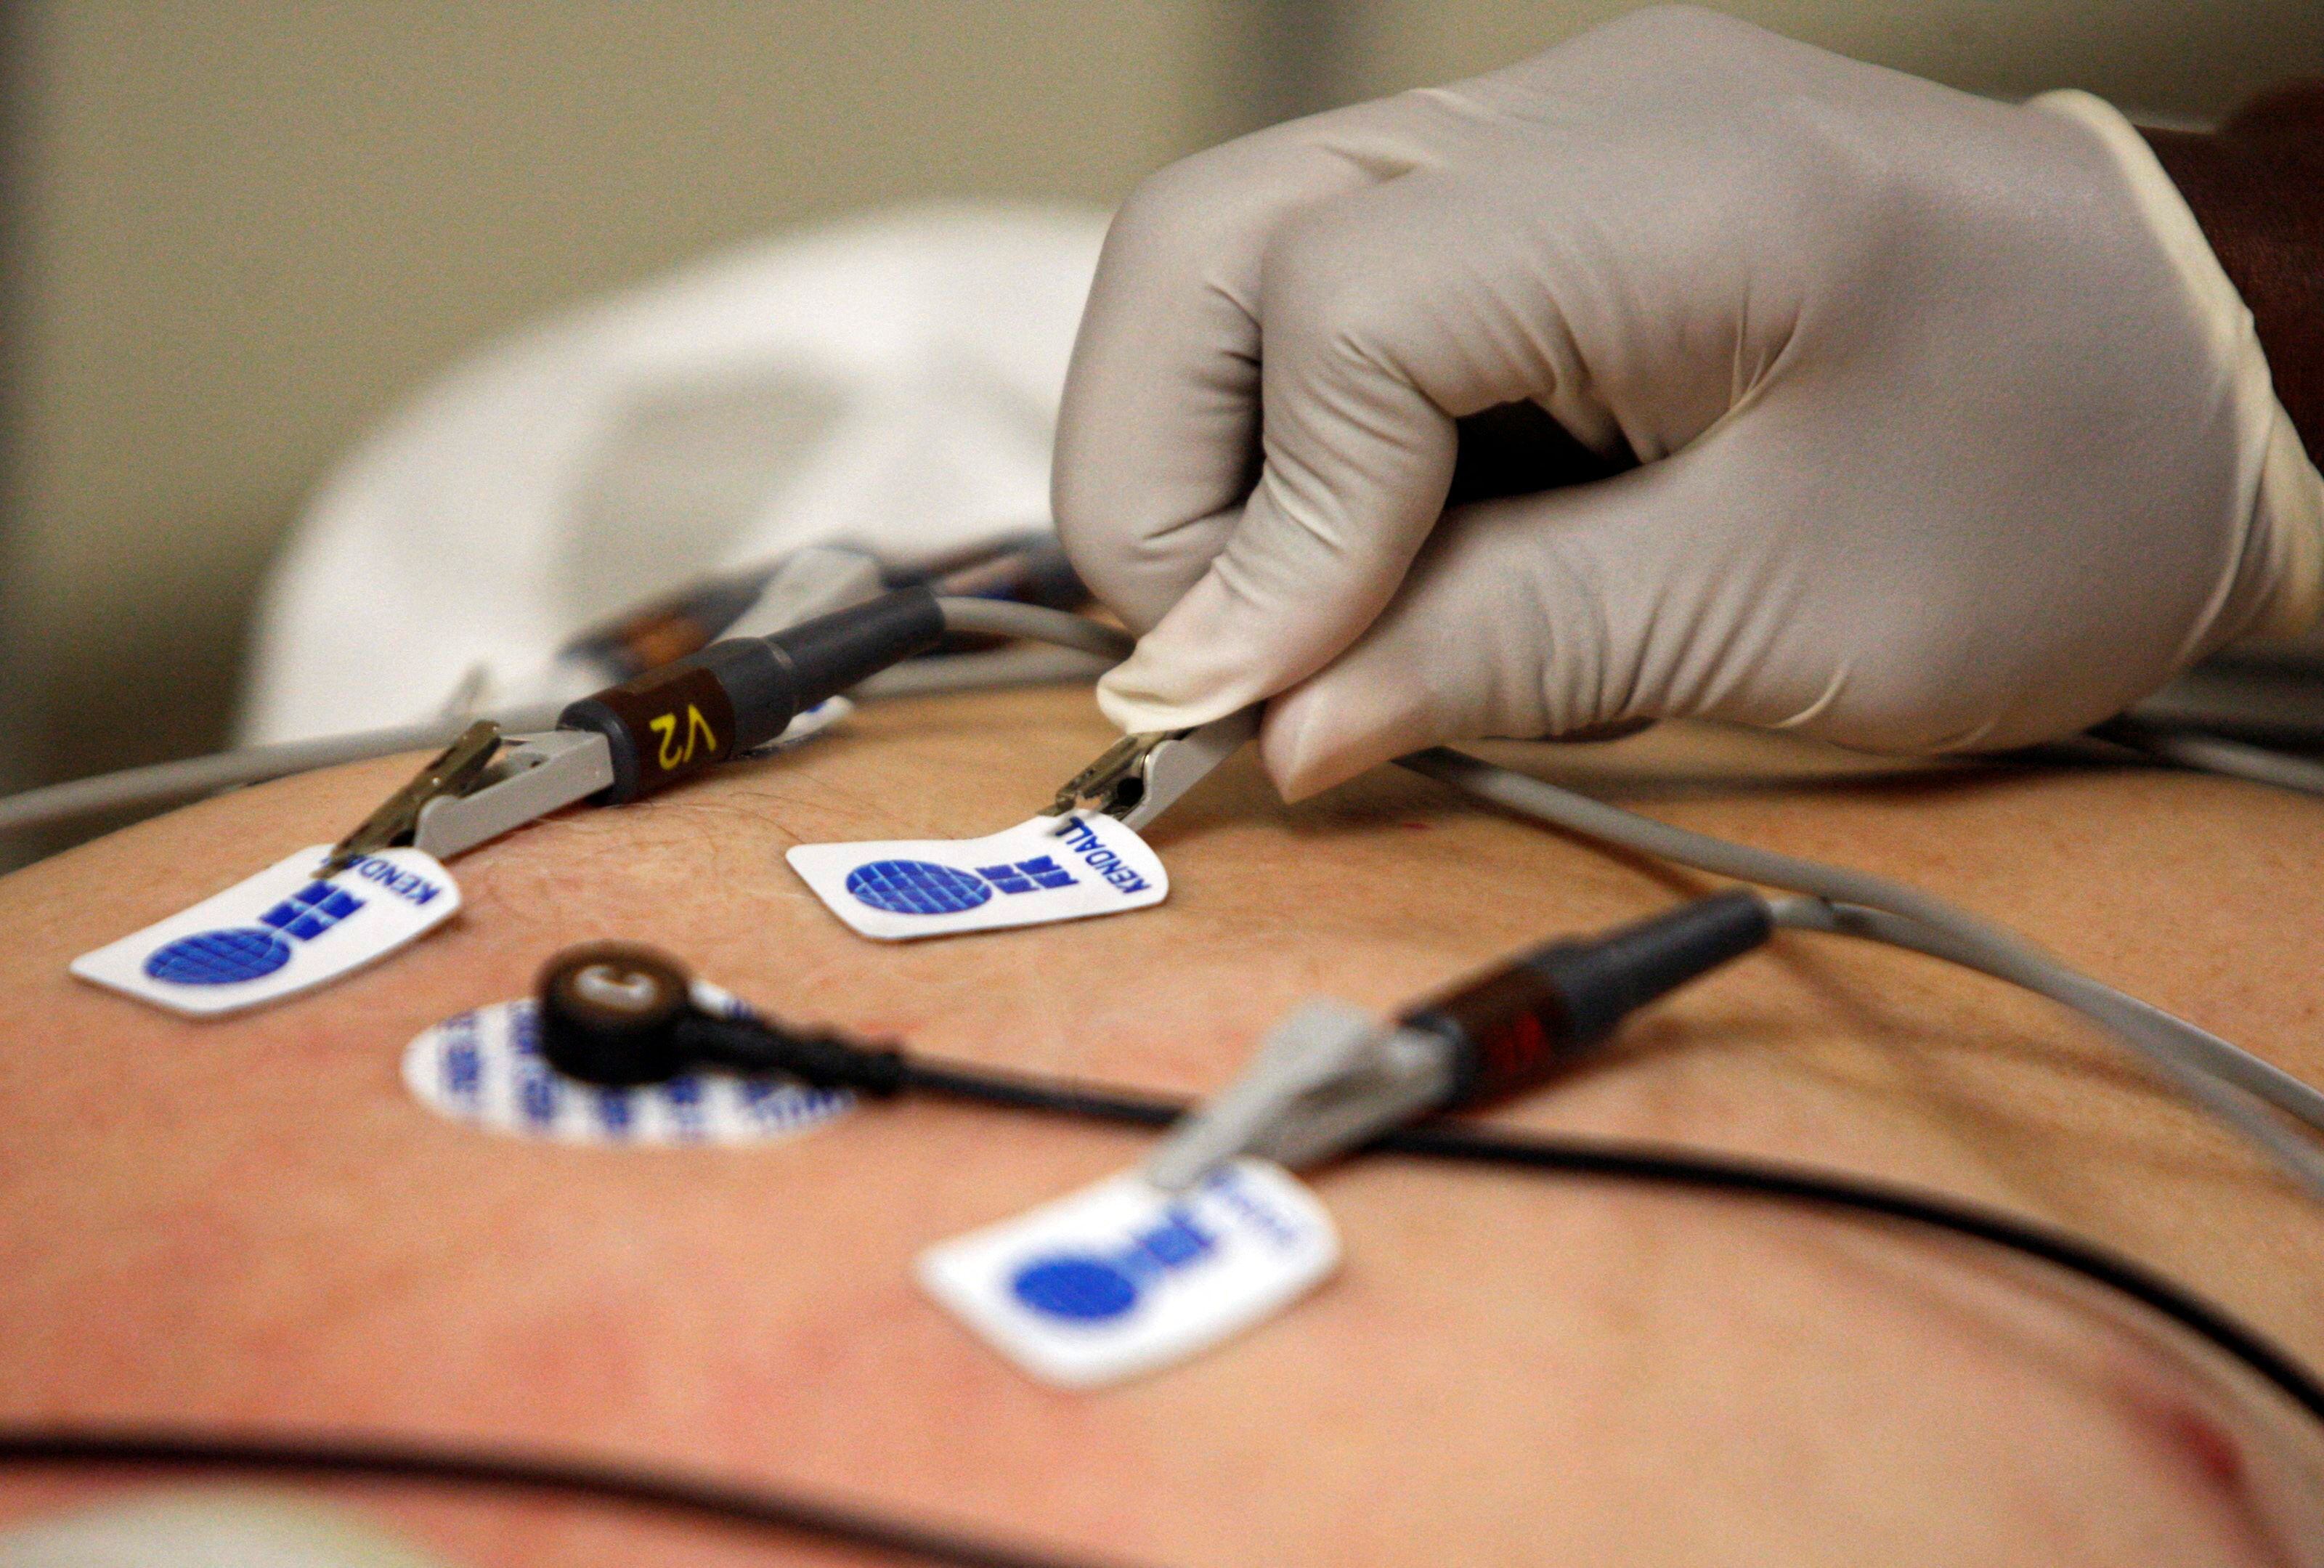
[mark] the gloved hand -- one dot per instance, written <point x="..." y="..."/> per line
<point x="1940" y="442"/>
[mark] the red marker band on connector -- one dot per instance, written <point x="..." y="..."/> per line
<point x="1516" y="1025"/>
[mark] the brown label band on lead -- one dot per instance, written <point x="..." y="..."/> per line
<point x="679" y="720"/>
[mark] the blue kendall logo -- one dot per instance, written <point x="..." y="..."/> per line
<point x="1091" y="1287"/>
<point x="1028" y="875"/>
<point x="245" y="952"/>
<point x="925" y="886"/>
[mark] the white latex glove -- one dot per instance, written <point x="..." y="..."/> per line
<point x="1947" y="438"/>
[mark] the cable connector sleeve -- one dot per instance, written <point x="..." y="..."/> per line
<point x="669" y="725"/>
<point x="827" y="655"/>
<point x="1513" y="1027"/>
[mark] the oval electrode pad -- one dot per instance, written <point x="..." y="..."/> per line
<point x="288" y="929"/>
<point x="1047" y="869"/>
<point x="486" y="1068"/>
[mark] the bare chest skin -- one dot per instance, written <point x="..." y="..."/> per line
<point x="250" y="1221"/>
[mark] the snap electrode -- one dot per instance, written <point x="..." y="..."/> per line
<point x="621" y="1015"/>
<point x="609" y="1014"/>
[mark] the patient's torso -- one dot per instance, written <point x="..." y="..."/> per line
<point x="250" y="1221"/>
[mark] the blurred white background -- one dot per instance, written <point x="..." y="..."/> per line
<point x="237" y="230"/>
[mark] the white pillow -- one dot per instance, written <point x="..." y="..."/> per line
<point x="889" y="380"/>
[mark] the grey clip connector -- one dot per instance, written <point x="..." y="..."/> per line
<point x="482" y="785"/>
<point x="1139" y="777"/>
<point x="533" y="776"/>
<point x="1330" y="1077"/>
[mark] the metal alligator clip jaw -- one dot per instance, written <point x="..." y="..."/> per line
<point x="396" y="818"/>
<point x="1139" y="777"/>
<point x="1330" y="1077"/>
<point x="482" y="785"/>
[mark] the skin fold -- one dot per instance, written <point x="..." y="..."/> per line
<point x="250" y="1222"/>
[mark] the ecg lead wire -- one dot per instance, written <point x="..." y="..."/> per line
<point x="2187" y="1057"/>
<point x="1079" y="645"/>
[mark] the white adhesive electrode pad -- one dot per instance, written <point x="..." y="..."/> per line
<point x="486" y="1068"/>
<point x="1123" y="1278"/>
<point x="1050" y="868"/>
<point x="281" y="931"/>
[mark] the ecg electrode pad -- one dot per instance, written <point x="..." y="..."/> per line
<point x="486" y="1068"/>
<point x="1123" y="1278"/>
<point x="1047" y="869"/>
<point x="283" y="931"/>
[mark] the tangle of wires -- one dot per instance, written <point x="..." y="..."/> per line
<point x="2270" y="1108"/>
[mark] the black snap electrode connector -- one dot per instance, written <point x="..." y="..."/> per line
<point x="621" y="1015"/>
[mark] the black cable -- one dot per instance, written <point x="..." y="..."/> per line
<point x="670" y="1492"/>
<point x="1054" y="1096"/>
<point x="1447" y="1140"/>
<point x="1465" y="1142"/>
<point x="1450" y="1140"/>
<point x="1443" y="1140"/>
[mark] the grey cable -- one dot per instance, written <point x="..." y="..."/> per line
<point x="2185" y="1055"/>
<point x="2208" y="753"/>
<point x="2219" y="1057"/>
<point x="194" y="776"/>
<point x="1037" y="624"/>
<point x="1082" y="648"/>
<point x="164" y="783"/>
<point x="1002" y="669"/>
<point x="2230" y="1082"/>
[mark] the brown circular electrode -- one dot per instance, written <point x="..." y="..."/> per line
<point x="610" y="1011"/>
